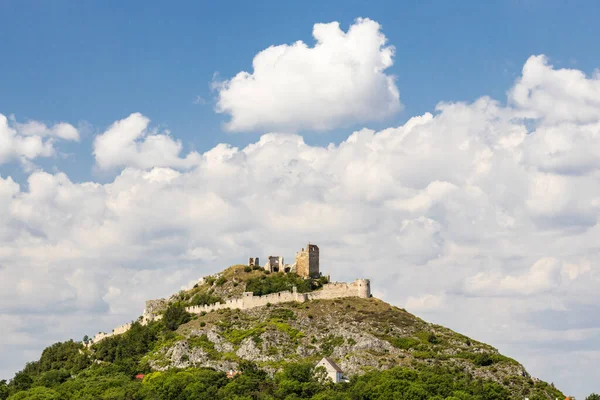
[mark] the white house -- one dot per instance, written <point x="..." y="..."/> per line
<point x="334" y="372"/>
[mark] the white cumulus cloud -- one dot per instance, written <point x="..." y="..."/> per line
<point x="556" y="95"/>
<point x="28" y="141"/>
<point x="129" y="143"/>
<point x="339" y="81"/>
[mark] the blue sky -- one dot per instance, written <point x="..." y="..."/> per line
<point x="482" y="215"/>
<point x="96" y="62"/>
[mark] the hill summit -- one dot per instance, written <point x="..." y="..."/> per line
<point x="276" y="332"/>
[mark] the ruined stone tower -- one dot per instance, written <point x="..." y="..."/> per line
<point x="275" y="264"/>
<point x="307" y="262"/>
<point x="253" y="261"/>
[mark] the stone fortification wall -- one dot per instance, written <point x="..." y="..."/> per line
<point x="358" y="288"/>
<point x="153" y="309"/>
<point x="117" y="331"/>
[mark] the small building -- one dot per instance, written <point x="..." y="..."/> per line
<point x="334" y="372"/>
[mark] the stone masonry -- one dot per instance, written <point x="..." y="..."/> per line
<point x="358" y="288"/>
<point x="306" y="266"/>
<point x="275" y="264"/>
<point x="307" y="262"/>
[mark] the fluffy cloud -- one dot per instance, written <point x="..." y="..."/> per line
<point x="129" y="143"/>
<point x="339" y="81"/>
<point x="459" y="214"/>
<point x="61" y="130"/>
<point x="25" y="142"/>
<point x="544" y="275"/>
<point x="556" y="95"/>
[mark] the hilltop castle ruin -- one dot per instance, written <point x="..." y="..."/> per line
<point x="306" y="265"/>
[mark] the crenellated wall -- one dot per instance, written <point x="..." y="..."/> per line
<point x="117" y="331"/>
<point x="358" y="288"/>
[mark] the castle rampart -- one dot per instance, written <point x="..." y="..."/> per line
<point x="117" y="331"/>
<point x="306" y="266"/>
<point x="358" y="288"/>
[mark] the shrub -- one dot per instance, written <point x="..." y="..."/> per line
<point x="428" y="337"/>
<point x="210" y="280"/>
<point x="282" y="314"/>
<point x="330" y="343"/>
<point x="221" y="281"/>
<point x="278" y="282"/>
<point x="175" y="315"/>
<point x="483" y="360"/>
<point x="406" y="343"/>
<point x="248" y="269"/>
<point x="201" y="299"/>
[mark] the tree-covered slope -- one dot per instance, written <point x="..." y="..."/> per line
<point x="386" y="352"/>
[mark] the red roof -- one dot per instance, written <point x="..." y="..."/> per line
<point x="139" y="376"/>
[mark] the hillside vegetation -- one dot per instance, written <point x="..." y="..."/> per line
<point x="387" y="353"/>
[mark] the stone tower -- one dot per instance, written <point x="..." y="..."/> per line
<point x="307" y="262"/>
<point x="275" y="264"/>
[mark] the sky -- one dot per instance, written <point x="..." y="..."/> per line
<point x="448" y="151"/>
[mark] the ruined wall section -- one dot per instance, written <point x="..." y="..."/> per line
<point x="103" y="335"/>
<point x="275" y="264"/>
<point x="358" y="288"/>
<point x="153" y="309"/>
<point x="302" y="265"/>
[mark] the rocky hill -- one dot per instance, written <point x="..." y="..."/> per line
<point x="373" y="342"/>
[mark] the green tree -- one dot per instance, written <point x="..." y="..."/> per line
<point x="65" y="355"/>
<point x="593" y="396"/>
<point x="279" y="282"/>
<point x="3" y="389"/>
<point x="21" y="381"/>
<point x="175" y="315"/>
<point x="36" y="393"/>
<point x="298" y="380"/>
